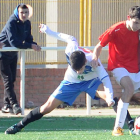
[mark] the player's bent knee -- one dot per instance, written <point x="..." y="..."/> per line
<point x="45" y="109"/>
<point x="50" y="105"/>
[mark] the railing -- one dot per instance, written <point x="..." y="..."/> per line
<point x="22" y="72"/>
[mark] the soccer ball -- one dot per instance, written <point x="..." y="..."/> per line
<point x="137" y="125"/>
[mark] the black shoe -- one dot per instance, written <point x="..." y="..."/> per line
<point x="116" y="101"/>
<point x="116" y="104"/>
<point x="131" y="125"/>
<point x="133" y="132"/>
<point x="16" y="109"/>
<point x="6" y="109"/>
<point x="12" y="130"/>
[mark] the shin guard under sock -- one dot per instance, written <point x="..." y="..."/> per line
<point x="121" y="114"/>
<point x="129" y="121"/>
<point x="32" y="116"/>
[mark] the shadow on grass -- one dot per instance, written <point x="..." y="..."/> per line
<point x="63" y="123"/>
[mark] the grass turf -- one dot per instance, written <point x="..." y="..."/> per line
<point x="65" y="128"/>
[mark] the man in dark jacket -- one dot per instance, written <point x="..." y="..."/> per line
<point x="16" y="33"/>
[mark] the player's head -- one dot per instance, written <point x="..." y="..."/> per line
<point x="22" y="12"/>
<point x="134" y="12"/>
<point x="78" y="61"/>
<point x="134" y="18"/>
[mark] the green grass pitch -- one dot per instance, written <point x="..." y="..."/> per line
<point x="65" y="128"/>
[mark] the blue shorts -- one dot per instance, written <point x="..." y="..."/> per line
<point x="67" y="92"/>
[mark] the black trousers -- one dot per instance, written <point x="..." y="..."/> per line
<point x="8" y="68"/>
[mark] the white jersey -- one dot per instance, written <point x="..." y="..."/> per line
<point x="72" y="45"/>
<point x="89" y="73"/>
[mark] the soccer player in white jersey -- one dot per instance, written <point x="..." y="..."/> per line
<point x="79" y="77"/>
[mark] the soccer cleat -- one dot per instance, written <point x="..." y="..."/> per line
<point x="116" y="104"/>
<point x="16" y="109"/>
<point x="6" y="109"/>
<point x="131" y="125"/>
<point x="132" y="132"/>
<point x="13" y="129"/>
<point x="117" y="132"/>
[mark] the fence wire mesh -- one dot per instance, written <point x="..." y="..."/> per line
<point x="64" y="16"/>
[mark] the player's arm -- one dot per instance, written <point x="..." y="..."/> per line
<point x="96" y="53"/>
<point x="105" y="38"/>
<point x="104" y="77"/>
<point x="97" y="50"/>
<point x="108" y="91"/>
<point x="60" y="36"/>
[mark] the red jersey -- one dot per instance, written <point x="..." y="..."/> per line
<point x="123" y="47"/>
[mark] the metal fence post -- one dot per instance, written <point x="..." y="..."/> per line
<point x="22" y="82"/>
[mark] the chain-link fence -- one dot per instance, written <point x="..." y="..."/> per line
<point x="64" y="16"/>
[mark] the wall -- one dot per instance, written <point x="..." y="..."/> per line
<point x="40" y="83"/>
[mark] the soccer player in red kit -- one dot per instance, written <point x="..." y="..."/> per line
<point x="124" y="62"/>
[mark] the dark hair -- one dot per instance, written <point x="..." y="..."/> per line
<point x="77" y="60"/>
<point x="23" y="6"/>
<point x="134" y="12"/>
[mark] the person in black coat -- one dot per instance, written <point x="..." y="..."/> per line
<point x="16" y="33"/>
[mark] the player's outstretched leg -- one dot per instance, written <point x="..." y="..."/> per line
<point x="32" y="116"/>
<point x="129" y="121"/>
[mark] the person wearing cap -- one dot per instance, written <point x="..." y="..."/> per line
<point x="16" y="33"/>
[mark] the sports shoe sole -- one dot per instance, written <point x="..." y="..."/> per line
<point x="7" y="111"/>
<point x="117" y="134"/>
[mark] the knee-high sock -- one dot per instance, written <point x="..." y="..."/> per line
<point x="129" y="121"/>
<point x="32" y="116"/>
<point x="121" y="114"/>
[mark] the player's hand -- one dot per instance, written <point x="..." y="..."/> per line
<point x="94" y="63"/>
<point x="1" y="44"/>
<point x="111" y="103"/>
<point x="36" y="47"/>
<point x="43" y="28"/>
